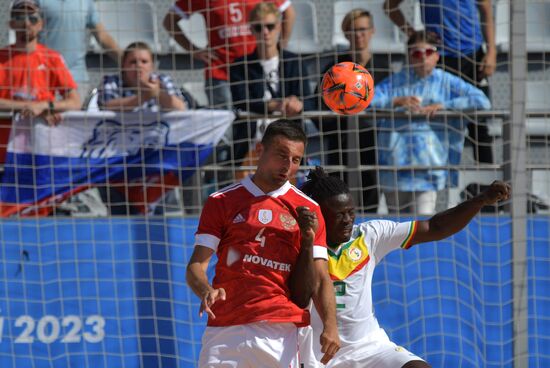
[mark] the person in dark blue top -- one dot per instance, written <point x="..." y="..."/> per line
<point x="268" y="80"/>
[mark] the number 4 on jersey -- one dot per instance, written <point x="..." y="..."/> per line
<point x="260" y="237"/>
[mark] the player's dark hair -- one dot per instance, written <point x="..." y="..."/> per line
<point x="320" y="186"/>
<point x="423" y="36"/>
<point x="292" y="130"/>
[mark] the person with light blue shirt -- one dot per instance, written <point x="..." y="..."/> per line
<point x="422" y="89"/>
<point x="466" y="32"/>
<point x="65" y="26"/>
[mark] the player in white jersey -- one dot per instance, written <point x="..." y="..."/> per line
<point x="354" y="252"/>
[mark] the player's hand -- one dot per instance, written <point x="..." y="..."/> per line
<point x="208" y="299"/>
<point x="52" y="118"/>
<point x="409" y="102"/>
<point x="205" y="55"/>
<point x="488" y="64"/>
<point x="497" y="191"/>
<point x="292" y="106"/>
<point x="430" y="110"/>
<point x="308" y="223"/>
<point x="34" y="109"/>
<point x="330" y="344"/>
<point x="150" y="85"/>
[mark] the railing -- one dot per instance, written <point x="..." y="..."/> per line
<point x="498" y="119"/>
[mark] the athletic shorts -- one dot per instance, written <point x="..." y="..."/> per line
<point x="252" y="345"/>
<point x="376" y="351"/>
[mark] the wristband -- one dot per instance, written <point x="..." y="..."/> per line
<point x="51" y="107"/>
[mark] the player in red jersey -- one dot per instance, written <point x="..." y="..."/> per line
<point x="229" y="37"/>
<point x="272" y="258"/>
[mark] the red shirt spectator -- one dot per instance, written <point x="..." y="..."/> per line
<point x="32" y="74"/>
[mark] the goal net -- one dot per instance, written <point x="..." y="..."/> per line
<point x="100" y="205"/>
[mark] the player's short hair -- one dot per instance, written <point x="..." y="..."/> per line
<point x="423" y="36"/>
<point x="354" y="14"/>
<point x="138" y="45"/>
<point x="291" y="130"/>
<point x="320" y="186"/>
<point x="263" y="9"/>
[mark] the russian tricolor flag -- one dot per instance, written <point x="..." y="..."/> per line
<point x="44" y="165"/>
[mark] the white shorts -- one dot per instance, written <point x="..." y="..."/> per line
<point x="252" y="345"/>
<point x="376" y="351"/>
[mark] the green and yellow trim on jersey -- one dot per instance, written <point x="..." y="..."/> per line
<point x="412" y="230"/>
<point x="350" y="258"/>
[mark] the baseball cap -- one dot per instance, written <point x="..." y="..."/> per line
<point x="17" y="4"/>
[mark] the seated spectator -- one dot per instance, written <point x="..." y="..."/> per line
<point x="358" y="28"/>
<point x="31" y="75"/>
<point x="139" y="87"/>
<point x="268" y="80"/>
<point x="422" y="89"/>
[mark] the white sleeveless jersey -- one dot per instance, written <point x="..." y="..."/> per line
<point x="351" y="267"/>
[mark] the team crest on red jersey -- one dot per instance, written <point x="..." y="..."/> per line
<point x="288" y="221"/>
<point x="265" y="216"/>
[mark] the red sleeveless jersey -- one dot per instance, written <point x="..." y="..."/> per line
<point x="257" y="240"/>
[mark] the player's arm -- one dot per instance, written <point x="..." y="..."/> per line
<point x="289" y="17"/>
<point x="198" y="281"/>
<point x="451" y="221"/>
<point x="391" y="8"/>
<point x="303" y="280"/>
<point x="325" y="304"/>
<point x="107" y="42"/>
<point x="70" y="101"/>
<point x="170" y="23"/>
<point x="489" y="62"/>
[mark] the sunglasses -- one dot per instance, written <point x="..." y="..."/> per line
<point x="359" y="30"/>
<point x="418" y="53"/>
<point x="259" y="27"/>
<point x="31" y="18"/>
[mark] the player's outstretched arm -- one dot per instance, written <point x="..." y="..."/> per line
<point x="303" y="281"/>
<point x="448" y="222"/>
<point x="198" y="281"/>
<point x="325" y="304"/>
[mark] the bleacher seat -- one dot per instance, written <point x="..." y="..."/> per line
<point x="194" y="28"/>
<point x="196" y="90"/>
<point x="537" y="97"/>
<point x="388" y="38"/>
<point x="540" y="184"/>
<point x="538" y="26"/>
<point x="304" y="38"/>
<point x="128" y="22"/>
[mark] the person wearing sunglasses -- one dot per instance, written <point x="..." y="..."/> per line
<point x="31" y="75"/>
<point x="423" y="140"/>
<point x="229" y="37"/>
<point x="466" y="31"/>
<point x="268" y="80"/>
